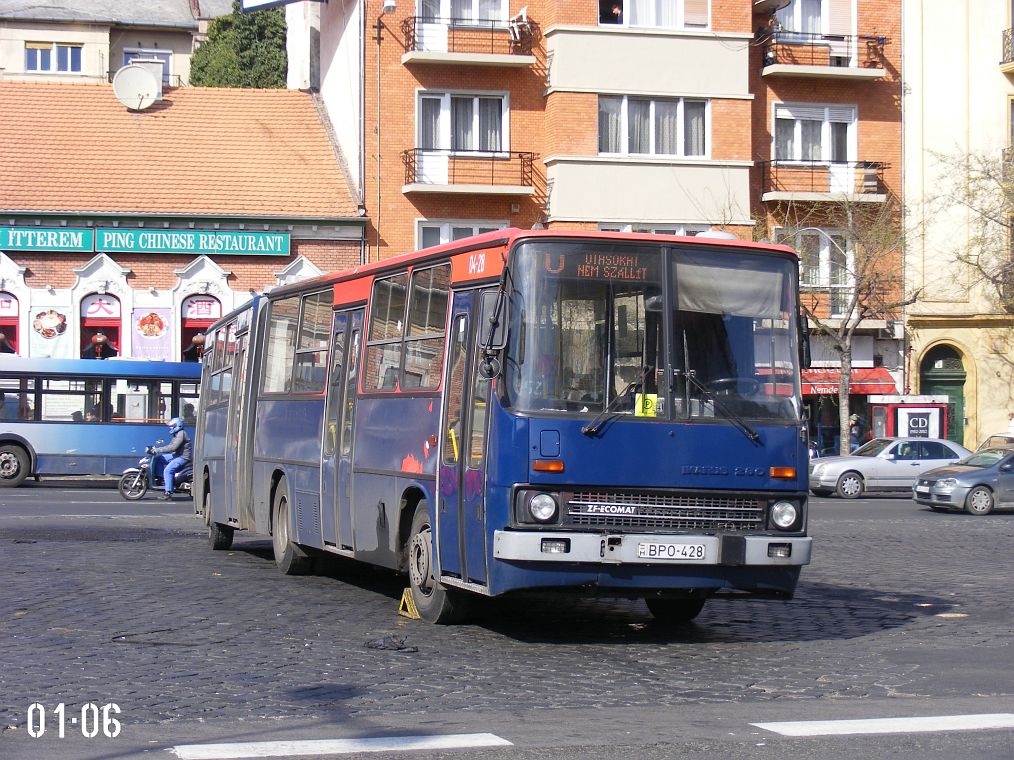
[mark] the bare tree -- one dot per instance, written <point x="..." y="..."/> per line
<point x="984" y="185"/>
<point x="865" y="279"/>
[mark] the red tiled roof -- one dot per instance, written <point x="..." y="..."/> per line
<point x="74" y="148"/>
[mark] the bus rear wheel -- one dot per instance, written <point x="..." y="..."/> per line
<point x="133" y="485"/>
<point x="289" y="558"/>
<point x="434" y="602"/>
<point x="13" y="465"/>
<point x="674" y="611"/>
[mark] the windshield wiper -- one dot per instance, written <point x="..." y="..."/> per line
<point x="691" y="379"/>
<point x="734" y="418"/>
<point x="596" y="424"/>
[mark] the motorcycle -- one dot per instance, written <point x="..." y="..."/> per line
<point x="135" y="481"/>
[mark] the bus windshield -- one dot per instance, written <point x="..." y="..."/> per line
<point x="652" y="332"/>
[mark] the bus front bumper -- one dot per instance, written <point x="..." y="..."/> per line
<point x="650" y="549"/>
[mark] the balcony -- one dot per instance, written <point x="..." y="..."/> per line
<point x="443" y="40"/>
<point x="843" y="56"/>
<point x="1007" y="54"/>
<point x="468" y="172"/>
<point x="822" y="181"/>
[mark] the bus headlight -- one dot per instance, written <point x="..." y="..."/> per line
<point x="542" y="507"/>
<point x="784" y="514"/>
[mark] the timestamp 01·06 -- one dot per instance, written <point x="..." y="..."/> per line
<point x="93" y="720"/>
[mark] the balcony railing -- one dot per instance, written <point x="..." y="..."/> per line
<point x="465" y="35"/>
<point x="841" y="50"/>
<point x="848" y="177"/>
<point x="468" y="167"/>
<point x="1007" y="55"/>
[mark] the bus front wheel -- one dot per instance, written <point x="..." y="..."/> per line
<point x="13" y="465"/>
<point x="289" y="558"/>
<point x="435" y="602"/>
<point x="674" y="611"/>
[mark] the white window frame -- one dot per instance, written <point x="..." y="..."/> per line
<point x="791" y="17"/>
<point x="444" y="15"/>
<point x="54" y="57"/>
<point x="826" y="115"/>
<point x="166" y="56"/>
<point x="680" y="22"/>
<point x="662" y="228"/>
<point x="681" y="138"/>
<point x="822" y="282"/>
<point x="446" y="226"/>
<point x="445" y="125"/>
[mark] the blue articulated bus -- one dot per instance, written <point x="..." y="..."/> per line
<point x="87" y="417"/>
<point x="598" y="412"/>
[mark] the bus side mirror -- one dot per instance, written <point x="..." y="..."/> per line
<point x="492" y="332"/>
<point x="804" y="341"/>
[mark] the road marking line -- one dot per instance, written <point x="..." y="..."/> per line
<point x="890" y="725"/>
<point x="335" y="746"/>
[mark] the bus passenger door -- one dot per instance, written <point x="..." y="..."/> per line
<point x="331" y="431"/>
<point x="235" y="498"/>
<point x="345" y="432"/>
<point x="461" y="506"/>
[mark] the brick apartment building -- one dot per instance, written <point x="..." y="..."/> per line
<point x="826" y="130"/>
<point x="116" y="220"/>
<point x="764" y="119"/>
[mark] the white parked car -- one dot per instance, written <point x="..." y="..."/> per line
<point x="997" y="440"/>
<point x="883" y="464"/>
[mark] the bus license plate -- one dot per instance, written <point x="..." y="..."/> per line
<point x="659" y="550"/>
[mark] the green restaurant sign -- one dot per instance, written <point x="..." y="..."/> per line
<point x="117" y="240"/>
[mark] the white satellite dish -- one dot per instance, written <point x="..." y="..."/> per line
<point x="136" y="87"/>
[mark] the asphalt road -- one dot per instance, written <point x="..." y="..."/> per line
<point x="904" y="614"/>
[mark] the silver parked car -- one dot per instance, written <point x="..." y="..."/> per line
<point x="883" y="464"/>
<point x="978" y="484"/>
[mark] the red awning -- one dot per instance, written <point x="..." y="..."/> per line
<point x="864" y="381"/>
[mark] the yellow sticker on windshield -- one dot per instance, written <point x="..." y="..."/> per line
<point x="645" y="404"/>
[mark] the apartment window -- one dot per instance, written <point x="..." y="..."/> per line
<point x="132" y="54"/>
<point x="688" y="230"/>
<point x="666" y="14"/>
<point x="803" y="16"/>
<point x="480" y="12"/>
<point x="463" y="122"/>
<point x="641" y="126"/>
<point x="47" y="57"/>
<point x="814" y="133"/>
<point x="431" y="233"/>
<point x="825" y="263"/>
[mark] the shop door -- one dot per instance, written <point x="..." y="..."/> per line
<point x="461" y="512"/>
<point x="942" y="373"/>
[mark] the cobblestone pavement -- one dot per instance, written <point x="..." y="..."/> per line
<point x="145" y="615"/>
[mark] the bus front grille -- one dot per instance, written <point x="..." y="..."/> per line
<point x="664" y="511"/>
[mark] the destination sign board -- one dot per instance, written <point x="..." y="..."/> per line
<point x="598" y="265"/>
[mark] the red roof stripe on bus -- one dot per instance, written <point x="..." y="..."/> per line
<point x="352" y="291"/>
<point x="507" y="237"/>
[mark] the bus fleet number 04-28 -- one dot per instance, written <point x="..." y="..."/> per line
<point x="93" y="720"/>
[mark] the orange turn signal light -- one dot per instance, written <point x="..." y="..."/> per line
<point x="782" y="472"/>
<point x="547" y="465"/>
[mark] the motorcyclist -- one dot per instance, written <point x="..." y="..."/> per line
<point x="174" y="456"/>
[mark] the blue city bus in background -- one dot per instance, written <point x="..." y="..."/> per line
<point x="87" y="416"/>
<point x="592" y="412"/>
